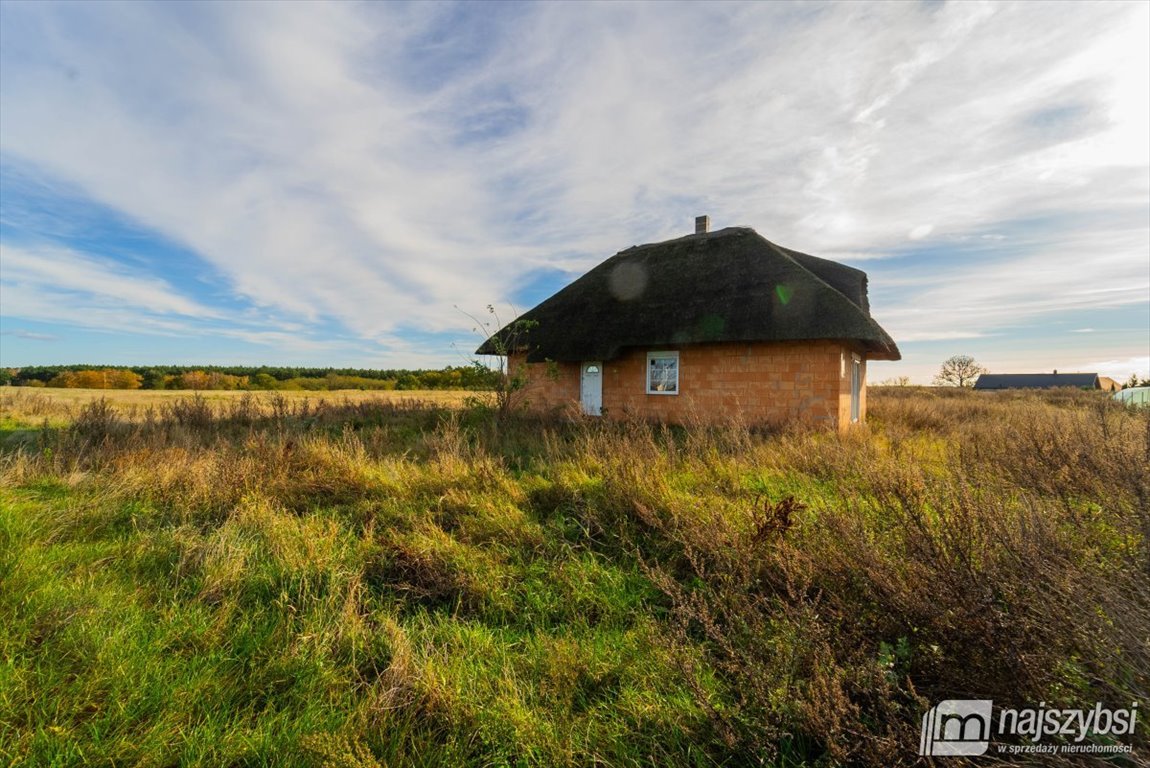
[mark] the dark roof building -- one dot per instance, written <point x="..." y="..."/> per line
<point x="732" y="285"/>
<point x="710" y="326"/>
<point x="1038" y="380"/>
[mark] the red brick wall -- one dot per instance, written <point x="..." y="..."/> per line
<point x="752" y="383"/>
<point x="550" y="386"/>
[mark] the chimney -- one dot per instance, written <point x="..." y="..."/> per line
<point x="702" y="225"/>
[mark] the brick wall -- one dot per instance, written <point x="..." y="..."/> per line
<point x="550" y="386"/>
<point x="753" y="383"/>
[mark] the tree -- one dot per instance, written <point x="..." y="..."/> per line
<point x="510" y="380"/>
<point x="959" y="371"/>
<point x="264" y="381"/>
<point x="1133" y="381"/>
<point x="123" y="379"/>
<point x="193" y="380"/>
<point x="63" y="379"/>
<point x="154" y="379"/>
<point x="900" y="381"/>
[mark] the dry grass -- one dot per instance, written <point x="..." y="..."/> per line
<point x="363" y="582"/>
<point x="64" y="404"/>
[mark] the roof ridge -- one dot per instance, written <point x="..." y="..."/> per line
<point x="724" y="232"/>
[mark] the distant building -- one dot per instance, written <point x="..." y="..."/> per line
<point x="1046" y="381"/>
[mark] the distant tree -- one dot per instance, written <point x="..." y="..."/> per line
<point x="123" y="379"/>
<point x="264" y="381"/>
<point x="102" y="378"/>
<point x="959" y="371"/>
<point x="5" y="377"/>
<point x="217" y="380"/>
<point x="63" y="379"/>
<point x="900" y="381"/>
<point x="193" y="380"/>
<point x="1134" y="381"/>
<point x="154" y="379"/>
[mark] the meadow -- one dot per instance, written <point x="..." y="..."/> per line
<point x="387" y="580"/>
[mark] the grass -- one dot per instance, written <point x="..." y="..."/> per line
<point x="361" y="581"/>
<point x="30" y="401"/>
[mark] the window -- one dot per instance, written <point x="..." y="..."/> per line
<point x="662" y="373"/>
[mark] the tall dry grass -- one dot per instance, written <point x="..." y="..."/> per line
<point x="449" y="588"/>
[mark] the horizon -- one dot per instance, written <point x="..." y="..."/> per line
<point x="889" y="382"/>
<point x="349" y="185"/>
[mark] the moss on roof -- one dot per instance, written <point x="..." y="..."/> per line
<point x="732" y="285"/>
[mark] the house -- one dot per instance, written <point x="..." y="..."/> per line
<point x="1046" y="381"/>
<point x="712" y="326"/>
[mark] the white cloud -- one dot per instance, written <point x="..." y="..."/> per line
<point x="64" y="272"/>
<point x="302" y="151"/>
<point x="1120" y="369"/>
<point x="1085" y="272"/>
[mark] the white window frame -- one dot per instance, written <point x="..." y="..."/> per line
<point x="668" y="355"/>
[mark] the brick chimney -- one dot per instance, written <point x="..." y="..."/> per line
<point x="702" y="225"/>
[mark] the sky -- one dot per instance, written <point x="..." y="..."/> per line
<point x="353" y="184"/>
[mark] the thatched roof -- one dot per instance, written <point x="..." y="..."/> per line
<point x="727" y="286"/>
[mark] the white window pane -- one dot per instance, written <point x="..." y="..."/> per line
<point x="663" y="374"/>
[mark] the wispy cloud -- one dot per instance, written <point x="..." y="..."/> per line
<point x="371" y="166"/>
<point x="1085" y="271"/>
<point x="1119" y="370"/>
<point x="67" y="277"/>
<point x="20" y="333"/>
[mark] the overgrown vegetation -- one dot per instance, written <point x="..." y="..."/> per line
<point x="281" y="582"/>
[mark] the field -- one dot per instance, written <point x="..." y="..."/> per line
<point x="131" y="403"/>
<point x="367" y="581"/>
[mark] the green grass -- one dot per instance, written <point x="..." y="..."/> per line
<point x="381" y="584"/>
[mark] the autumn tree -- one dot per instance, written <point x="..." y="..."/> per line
<point x="959" y="371"/>
<point x="193" y="380"/>
<point x="124" y="379"/>
<point x="63" y="379"/>
<point x="106" y="378"/>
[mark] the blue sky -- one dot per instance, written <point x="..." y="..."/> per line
<point x="342" y="183"/>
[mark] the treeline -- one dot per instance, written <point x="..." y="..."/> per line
<point x="473" y="377"/>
